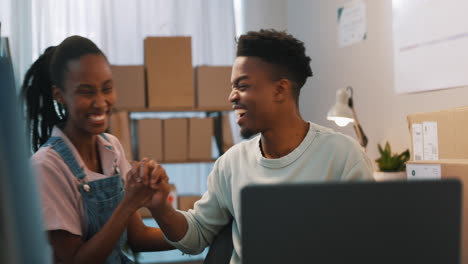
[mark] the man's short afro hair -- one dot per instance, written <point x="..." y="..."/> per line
<point x="280" y="49"/>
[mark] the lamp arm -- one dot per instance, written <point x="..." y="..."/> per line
<point x="362" y="138"/>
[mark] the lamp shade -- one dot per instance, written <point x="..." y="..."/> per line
<point x="341" y="113"/>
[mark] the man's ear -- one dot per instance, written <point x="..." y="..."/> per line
<point x="283" y="89"/>
<point x="57" y="94"/>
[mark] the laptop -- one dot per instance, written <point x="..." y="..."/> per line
<point x="366" y="223"/>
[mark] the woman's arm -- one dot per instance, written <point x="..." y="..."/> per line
<point x="144" y="238"/>
<point x="69" y="248"/>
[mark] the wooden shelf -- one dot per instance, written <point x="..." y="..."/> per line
<point x="175" y="109"/>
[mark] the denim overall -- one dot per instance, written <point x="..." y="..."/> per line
<point x="100" y="198"/>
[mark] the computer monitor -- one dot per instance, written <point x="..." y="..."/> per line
<point x="365" y="223"/>
<point x="22" y="236"/>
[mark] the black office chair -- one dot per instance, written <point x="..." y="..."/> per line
<point x="220" y="251"/>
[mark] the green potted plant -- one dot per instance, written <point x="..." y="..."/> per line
<point x="391" y="165"/>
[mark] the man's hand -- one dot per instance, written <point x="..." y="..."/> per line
<point x="159" y="183"/>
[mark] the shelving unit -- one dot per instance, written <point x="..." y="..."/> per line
<point x="136" y="114"/>
<point x="175" y="109"/>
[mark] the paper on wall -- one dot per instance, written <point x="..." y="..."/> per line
<point x="423" y="171"/>
<point x="430" y="53"/>
<point x="352" y="23"/>
<point x="430" y="141"/>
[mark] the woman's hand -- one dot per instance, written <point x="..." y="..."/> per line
<point x="137" y="186"/>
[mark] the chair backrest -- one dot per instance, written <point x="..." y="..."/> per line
<point x="220" y="251"/>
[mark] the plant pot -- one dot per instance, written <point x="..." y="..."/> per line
<point x="389" y="176"/>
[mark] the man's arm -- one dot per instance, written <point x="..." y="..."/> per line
<point x="189" y="231"/>
<point x="173" y="223"/>
<point x="144" y="238"/>
<point x="359" y="170"/>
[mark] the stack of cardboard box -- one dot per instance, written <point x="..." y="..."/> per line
<point x="175" y="140"/>
<point x="168" y="82"/>
<point x="440" y="151"/>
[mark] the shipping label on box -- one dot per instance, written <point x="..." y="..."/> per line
<point x="430" y="141"/>
<point x="425" y="141"/>
<point x="423" y="171"/>
<point x="418" y="148"/>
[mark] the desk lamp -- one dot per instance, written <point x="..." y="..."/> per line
<point x="343" y="113"/>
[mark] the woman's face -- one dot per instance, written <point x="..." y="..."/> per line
<point x="88" y="94"/>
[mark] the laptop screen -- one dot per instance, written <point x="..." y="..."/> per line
<point x="366" y="222"/>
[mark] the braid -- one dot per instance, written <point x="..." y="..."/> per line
<point x="41" y="110"/>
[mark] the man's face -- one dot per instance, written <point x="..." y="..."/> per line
<point x="252" y="95"/>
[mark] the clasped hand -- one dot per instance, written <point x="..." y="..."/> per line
<point x="147" y="185"/>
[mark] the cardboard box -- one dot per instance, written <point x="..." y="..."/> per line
<point x="186" y="202"/>
<point x="175" y="140"/>
<point x="129" y="83"/>
<point x="213" y="86"/>
<point x="446" y="140"/>
<point x="228" y="140"/>
<point x="169" y="72"/>
<point x="120" y="127"/>
<point x="150" y="139"/>
<point x="446" y="169"/>
<point x="200" y="138"/>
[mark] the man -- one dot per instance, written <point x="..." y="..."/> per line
<point x="267" y="75"/>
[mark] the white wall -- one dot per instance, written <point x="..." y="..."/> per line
<point x="366" y="66"/>
<point x="258" y="14"/>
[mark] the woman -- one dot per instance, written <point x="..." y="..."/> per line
<point x="88" y="216"/>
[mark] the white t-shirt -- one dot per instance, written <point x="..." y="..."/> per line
<point x="62" y="205"/>
<point x="322" y="156"/>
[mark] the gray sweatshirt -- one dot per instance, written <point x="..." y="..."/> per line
<point x="323" y="155"/>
